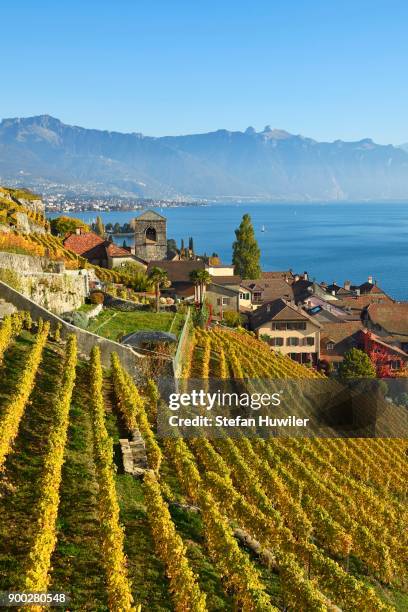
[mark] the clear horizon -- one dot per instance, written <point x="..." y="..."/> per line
<point x="324" y="70"/>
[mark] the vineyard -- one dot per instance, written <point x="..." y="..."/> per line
<point x="222" y="525"/>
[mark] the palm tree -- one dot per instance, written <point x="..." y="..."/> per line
<point x="158" y="278"/>
<point x="201" y="278"/>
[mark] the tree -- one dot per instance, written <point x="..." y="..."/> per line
<point x="67" y="225"/>
<point x="99" y="227"/>
<point x="171" y="248"/>
<point x="191" y="246"/>
<point x="117" y="228"/>
<point x="356" y="364"/>
<point x="158" y="279"/>
<point x="201" y="278"/>
<point x="246" y="252"/>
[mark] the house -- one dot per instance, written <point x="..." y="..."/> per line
<point x="370" y="287"/>
<point x="221" y="298"/>
<point x="98" y="251"/>
<point x="338" y="338"/>
<point x="220" y="270"/>
<point x="178" y="273"/>
<point x="288" y="329"/>
<point x="266" y="289"/>
<point x="325" y="311"/>
<point x="389" y="320"/>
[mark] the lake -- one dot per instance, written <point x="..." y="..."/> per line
<point x="332" y="242"/>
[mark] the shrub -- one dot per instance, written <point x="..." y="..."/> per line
<point x="11" y="278"/>
<point x="231" y="318"/>
<point x="67" y="225"/>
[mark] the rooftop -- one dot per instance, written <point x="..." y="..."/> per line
<point x="279" y="310"/>
<point x="177" y="271"/>
<point x="391" y="316"/>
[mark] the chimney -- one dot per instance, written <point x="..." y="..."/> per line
<point x="296" y="277"/>
<point x="357" y="292"/>
<point x="347" y="285"/>
<point x="370" y="279"/>
<point x="305" y="276"/>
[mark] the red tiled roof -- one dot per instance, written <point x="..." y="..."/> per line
<point x="82" y="243"/>
<point x="393" y="317"/>
<point x="114" y="250"/>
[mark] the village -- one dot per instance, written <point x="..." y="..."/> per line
<point x="315" y="324"/>
<point x="140" y="295"/>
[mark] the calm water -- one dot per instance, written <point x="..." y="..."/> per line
<point x="333" y="242"/>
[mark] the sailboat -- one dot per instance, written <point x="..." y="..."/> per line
<point x="263" y="228"/>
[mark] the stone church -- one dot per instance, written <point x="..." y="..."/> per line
<point x="150" y="236"/>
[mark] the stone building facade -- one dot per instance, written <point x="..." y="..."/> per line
<point x="150" y="236"/>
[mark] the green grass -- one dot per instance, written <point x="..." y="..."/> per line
<point x="86" y="307"/>
<point x="114" y="324"/>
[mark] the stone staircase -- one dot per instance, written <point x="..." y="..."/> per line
<point x="134" y="455"/>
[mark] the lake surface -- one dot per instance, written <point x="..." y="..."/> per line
<point x="332" y="242"/>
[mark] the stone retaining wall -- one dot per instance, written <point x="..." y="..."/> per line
<point x="131" y="360"/>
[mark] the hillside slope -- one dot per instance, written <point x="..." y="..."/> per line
<point x="328" y="520"/>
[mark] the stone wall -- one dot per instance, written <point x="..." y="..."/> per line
<point x="23" y="264"/>
<point x="59" y="292"/>
<point x="35" y="205"/>
<point x="56" y="292"/>
<point x="134" y="362"/>
<point x="27" y="226"/>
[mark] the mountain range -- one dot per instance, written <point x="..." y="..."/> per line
<point x="43" y="153"/>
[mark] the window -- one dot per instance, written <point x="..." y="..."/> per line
<point x="290" y="325"/>
<point x="395" y="365"/>
<point x="276" y="341"/>
<point x="309" y="341"/>
<point x="330" y="346"/>
<point x="151" y="235"/>
<point x="279" y="325"/>
<point x="223" y="301"/>
<point x="244" y="296"/>
<point x="296" y="325"/>
<point x="257" y="296"/>
<point x="292" y="341"/>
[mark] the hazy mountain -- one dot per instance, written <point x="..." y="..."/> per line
<point x="272" y="164"/>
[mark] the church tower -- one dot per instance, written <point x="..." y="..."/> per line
<point x="150" y="236"/>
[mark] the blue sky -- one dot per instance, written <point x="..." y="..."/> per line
<point x="323" y="68"/>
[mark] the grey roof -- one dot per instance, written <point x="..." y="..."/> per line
<point x="150" y="215"/>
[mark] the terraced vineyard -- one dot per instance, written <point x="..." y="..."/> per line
<point x="288" y="524"/>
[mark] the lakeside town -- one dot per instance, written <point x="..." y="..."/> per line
<point x="314" y="323"/>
